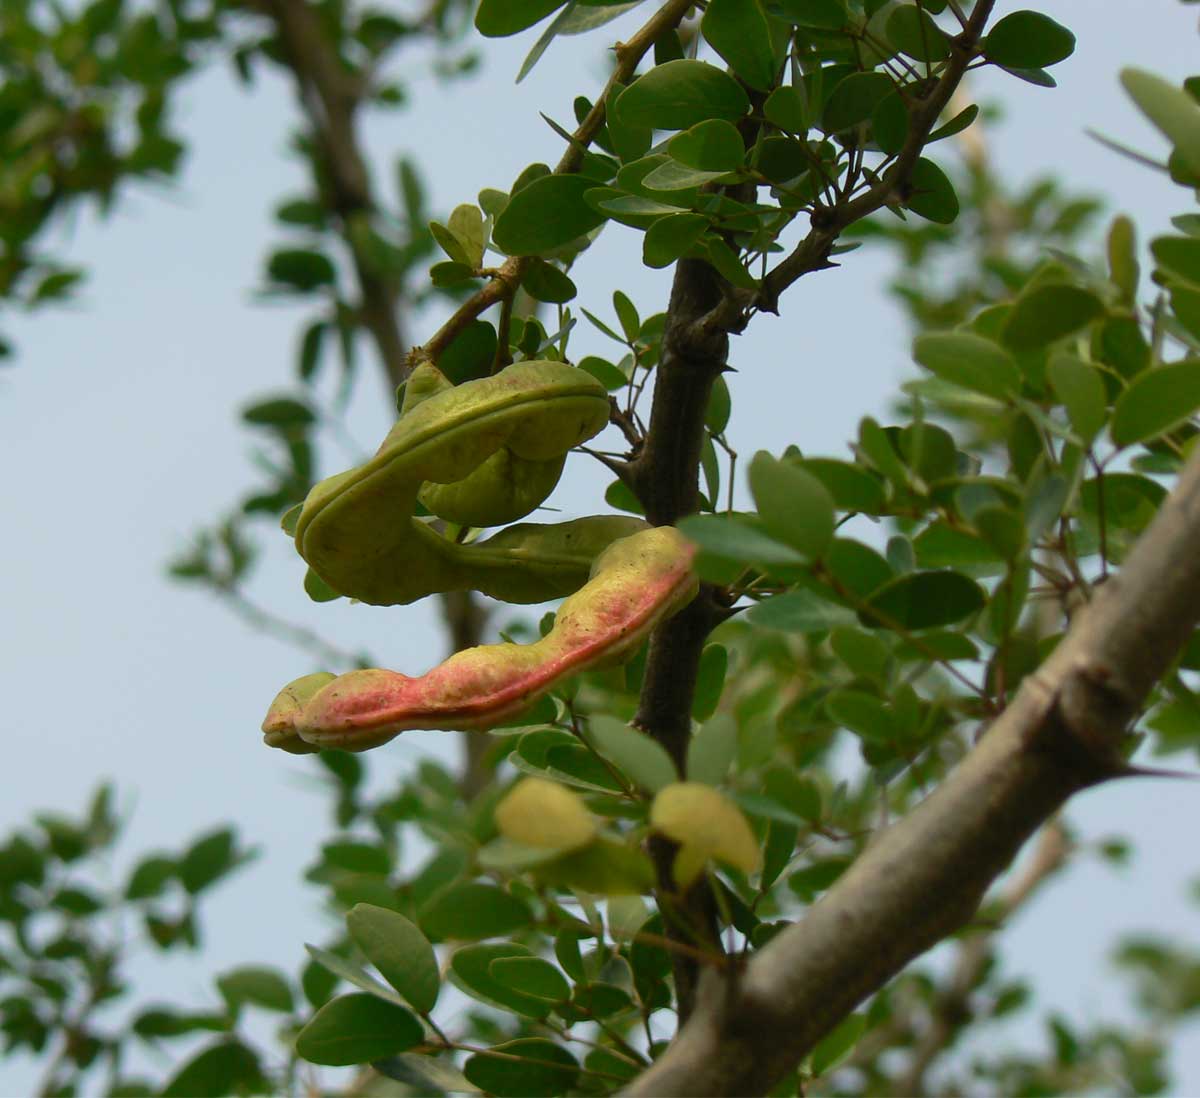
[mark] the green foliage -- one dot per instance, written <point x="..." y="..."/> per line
<point x="896" y="593"/>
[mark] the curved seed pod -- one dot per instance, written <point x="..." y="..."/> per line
<point x="635" y="583"/>
<point x="279" y="727"/>
<point x="482" y="453"/>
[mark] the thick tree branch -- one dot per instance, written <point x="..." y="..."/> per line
<point x="951" y="1009"/>
<point x="664" y="476"/>
<point x="924" y="877"/>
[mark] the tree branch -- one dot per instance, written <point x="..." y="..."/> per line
<point x="331" y="97"/>
<point x="924" y="877"/>
<point x="951" y="1009"/>
<point x="505" y="281"/>
<point x="828" y="222"/>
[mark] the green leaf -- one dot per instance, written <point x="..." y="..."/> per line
<point x="148" y="879"/>
<point x="738" y="31"/>
<point x="680" y="94"/>
<point x="627" y="314"/>
<point x="301" y="269"/>
<point x="728" y="266"/>
<point x="716" y="415"/>
<point x="956" y="125"/>
<point x="793" y="505"/>
<point x="823" y="14"/>
<point x="1122" y="257"/>
<point x="1170" y="108"/>
<point x="852" y="487"/>
<point x="863" y="714"/>
<point x="470" y="971"/>
<point x="671" y="237"/>
<point x="283" y="413"/>
<point x="1028" y="40"/>
<point x="471" y="910"/>
<point x="466" y="223"/>
<point x="1080" y="387"/>
<point x="450" y="274"/>
<point x="604" y="372"/>
<point x="787" y="109"/>
<point x="710" y="681"/>
<point x="876" y="445"/>
<point x="912" y="31"/>
<point x="922" y="600"/>
<point x="799" y="612"/>
<point x="1049" y="312"/>
<point x="500" y="18"/>
<point x="357" y="857"/>
<point x="712" y="750"/>
<point x="1155" y="402"/>
<point x="532" y="1067"/>
<point x="257" y="985"/>
<point x="208" y="859"/>
<point x="670" y="175"/>
<point x="545" y="282"/>
<point x="470" y="354"/>
<point x="889" y="124"/>
<point x="531" y="976"/>
<point x="400" y="952"/>
<point x="838" y="1045"/>
<point x="970" y="361"/>
<point x="310" y="350"/>
<point x="1178" y="256"/>
<point x="862" y="652"/>
<point x="604" y="867"/>
<point x="356" y="1029"/>
<point x="218" y="1070"/>
<point x="634" y="753"/>
<point x="932" y="196"/>
<point x="714" y="145"/>
<point x="854" y="100"/>
<point x="857" y="567"/>
<point x="545" y="215"/>
<point x="734" y="540"/>
<point x="352" y="974"/>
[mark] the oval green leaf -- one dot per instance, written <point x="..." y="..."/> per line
<point x="530" y="1067"/>
<point x="356" y="1029"/>
<point x="793" y="505"/>
<point x="1047" y="313"/>
<point x="738" y="31"/>
<point x="923" y="600"/>
<point x="545" y="215"/>
<point x="969" y="360"/>
<point x="680" y="94"/>
<point x="1028" y="40"/>
<point x="400" y="952"/>
<point x="471" y="910"/>
<point x="1156" y="401"/>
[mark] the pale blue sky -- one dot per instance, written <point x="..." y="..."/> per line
<point x="119" y="436"/>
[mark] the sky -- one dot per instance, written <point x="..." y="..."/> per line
<point x="119" y="437"/>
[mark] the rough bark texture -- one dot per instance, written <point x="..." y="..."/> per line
<point x="924" y="877"/>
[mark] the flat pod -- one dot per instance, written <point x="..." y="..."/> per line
<point x="635" y="583"/>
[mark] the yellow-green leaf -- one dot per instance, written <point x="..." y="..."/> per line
<point x="546" y="815"/>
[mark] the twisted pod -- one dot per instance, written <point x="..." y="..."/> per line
<point x="479" y="454"/>
<point x="482" y="453"/>
<point x="636" y="582"/>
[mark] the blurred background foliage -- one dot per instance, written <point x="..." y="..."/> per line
<point x="833" y="704"/>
